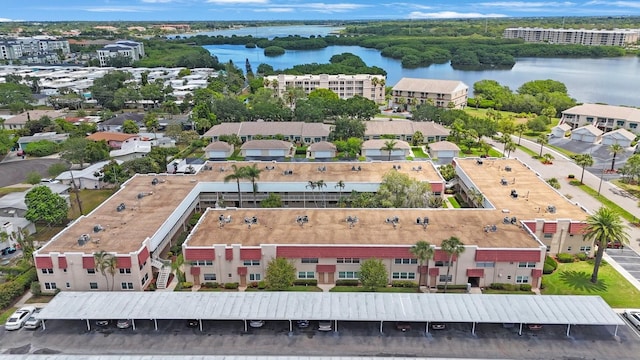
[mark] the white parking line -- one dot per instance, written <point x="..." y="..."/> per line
<point x="633" y="328"/>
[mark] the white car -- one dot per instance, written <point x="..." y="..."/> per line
<point x="256" y="323"/>
<point x="33" y="322"/>
<point x="19" y="317"/>
<point x="633" y="316"/>
<point x="324" y="325"/>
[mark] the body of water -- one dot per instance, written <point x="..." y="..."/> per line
<point x="607" y="80"/>
<point x="271" y="31"/>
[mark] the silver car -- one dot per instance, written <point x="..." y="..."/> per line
<point x="33" y="322"/>
<point x="633" y="316"/>
<point x="19" y="317"/>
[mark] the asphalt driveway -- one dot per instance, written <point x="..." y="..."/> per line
<point x="15" y="172"/>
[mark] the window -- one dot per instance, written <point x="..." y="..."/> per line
<point x="485" y="264"/>
<point x="202" y="263"/>
<point x="93" y="285"/>
<point x="406" y="261"/>
<point x="568" y="248"/>
<point x="126" y="286"/>
<point x="47" y="271"/>
<point x="306" y="275"/>
<point x="526" y="264"/>
<point x="522" y="279"/>
<point x="404" y="275"/>
<point x="548" y="235"/>
<point x="585" y="248"/>
<point x="251" y="262"/>
<point x="68" y="285"/>
<point x="125" y="271"/>
<point x="442" y="263"/>
<point x="348" y="275"/>
<point x="50" y="286"/>
<point x="144" y="278"/>
<point x="309" y="260"/>
<point x="91" y="271"/>
<point x="633" y="126"/>
<point x="348" y="260"/>
<point x="143" y="264"/>
<point x="254" y="277"/>
<point x="443" y="278"/>
<point x="209" y="277"/>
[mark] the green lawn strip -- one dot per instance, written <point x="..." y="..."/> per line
<point x="39" y="299"/>
<point x="574" y="279"/>
<point x="528" y="151"/>
<point x="297" y="288"/>
<point x="565" y="152"/>
<point x="454" y="203"/>
<point x="382" y="289"/>
<point x="608" y="203"/>
<point x="631" y="189"/>
<point x="418" y="152"/>
<point x="5" y="315"/>
<point x="516" y="292"/>
<point x="7" y="190"/>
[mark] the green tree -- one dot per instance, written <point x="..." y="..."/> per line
<point x="280" y="274"/>
<point x="448" y="172"/>
<point x="252" y="173"/>
<point x="41" y="148"/>
<point x="417" y="138"/>
<point x="603" y="227"/>
<point x="272" y="201"/>
<point x="74" y="150"/>
<point x="401" y="191"/>
<point x="33" y="178"/>
<point x="346" y="128"/>
<point x="311" y="185"/>
<point x="104" y="89"/>
<point x="373" y="274"/>
<point x="509" y="147"/>
<point x="389" y="146"/>
<point x="45" y="206"/>
<point x="152" y="123"/>
<point x="340" y="185"/>
<point x="130" y="127"/>
<point x="614" y="149"/>
<point x="452" y="247"/>
<point x="57" y="169"/>
<point x="106" y="263"/>
<point x="237" y="175"/>
<point x="97" y="151"/>
<point x="112" y="173"/>
<point x="542" y="140"/>
<point x="583" y="160"/>
<point x="424" y="252"/>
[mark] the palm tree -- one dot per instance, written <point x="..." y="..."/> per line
<point x="509" y="147"/>
<point x="603" y="227"/>
<point x="542" y="140"/>
<point x="478" y="99"/>
<point x="548" y="158"/>
<point x="252" y="173"/>
<point x="389" y="146"/>
<point x="237" y="175"/>
<point x="520" y="129"/>
<point x="423" y="251"/>
<point x="340" y="186"/>
<point x="614" y="149"/>
<point x="312" y="185"/>
<point x="320" y="184"/>
<point x="106" y="262"/>
<point x="452" y="247"/>
<point x="505" y="138"/>
<point x="583" y="160"/>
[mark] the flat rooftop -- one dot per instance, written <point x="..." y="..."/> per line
<point x="329" y="227"/>
<point x="370" y="172"/>
<point x="124" y="231"/>
<point x="534" y="194"/>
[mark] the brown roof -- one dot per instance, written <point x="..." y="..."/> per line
<point x="110" y="136"/>
<point x="444" y="146"/>
<point x="266" y="144"/>
<point x="605" y="111"/>
<point x="268" y="128"/>
<point x="322" y="146"/>
<point x="429" y="85"/>
<point x="22" y="118"/>
<point x="590" y="129"/>
<point x="380" y="143"/>
<point x="404" y="127"/>
<point x="219" y="145"/>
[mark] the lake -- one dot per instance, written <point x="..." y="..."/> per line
<point x="606" y="80"/>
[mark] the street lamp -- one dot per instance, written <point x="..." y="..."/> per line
<point x="604" y="166"/>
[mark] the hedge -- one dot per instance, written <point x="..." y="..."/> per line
<point x="548" y="269"/>
<point x="453" y="287"/>
<point x="525" y="287"/>
<point x="582" y="256"/>
<point x="404" y="284"/>
<point x="551" y="261"/>
<point x="349" y="282"/>
<point x="211" y="285"/>
<point x="11" y="290"/>
<point x="231" y="286"/>
<point x="565" y="258"/>
<point x="305" y="282"/>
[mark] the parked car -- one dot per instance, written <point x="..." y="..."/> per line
<point x="33" y="322"/>
<point x="124" y="323"/>
<point x="615" y="245"/>
<point x="324" y="325"/>
<point x="534" y="327"/>
<point x="438" y="326"/>
<point x="403" y="326"/>
<point x="18" y="318"/>
<point x="633" y="316"/>
<point x="256" y="323"/>
<point x="103" y="323"/>
<point x="49" y="181"/>
<point x="302" y="324"/>
<point x="193" y="323"/>
<point x="8" y="250"/>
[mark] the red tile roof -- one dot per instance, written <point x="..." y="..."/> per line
<point x="88" y="262"/>
<point x="536" y="273"/>
<point x="143" y="255"/>
<point x="550" y="227"/>
<point x="531" y="225"/>
<point x="242" y="270"/>
<point x="508" y="255"/>
<point x="475" y="272"/>
<point x="577" y="228"/>
<point x="250" y="254"/>
<point x="199" y="254"/>
<point x="434" y="271"/>
<point x="195" y="270"/>
<point x="228" y="254"/>
<point x="325" y="268"/>
<point x="44" y="262"/>
<point x="110" y="136"/>
<point x="62" y="262"/>
<point x="124" y="262"/>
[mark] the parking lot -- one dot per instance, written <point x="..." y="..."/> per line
<point x="628" y="258"/>
<point x="352" y="339"/>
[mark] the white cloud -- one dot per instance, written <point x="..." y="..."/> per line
<point x="324" y="7"/>
<point x="451" y="15"/>
<point x="128" y="9"/>
<point x="276" y="10"/>
<point x="8" y="20"/>
<point x="310" y="7"/>
<point x="232" y="2"/>
<point x="516" y="5"/>
<point x="404" y="6"/>
<point x="625" y="4"/>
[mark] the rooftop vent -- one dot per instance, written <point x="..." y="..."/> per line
<point x="351" y="220"/>
<point x="272" y="167"/>
<point x="417" y="168"/>
<point x="302" y="219"/>
<point x="507" y="168"/>
<point x="479" y="162"/>
<point x="143" y="194"/>
<point x="287" y="172"/>
<point x="120" y="207"/>
<point x="356" y="168"/>
<point x="397" y="167"/>
<point x="514" y="194"/>
<point x="322" y="168"/>
<point x="551" y="209"/>
<point x="83" y="239"/>
<point x="504" y="182"/>
<point x="97" y="228"/>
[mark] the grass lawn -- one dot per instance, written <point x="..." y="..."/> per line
<point x="418" y="152"/>
<point x="5" y="315"/>
<point x="382" y="290"/>
<point x="7" y="190"/>
<point x="515" y="292"/>
<point x="39" y="299"/>
<point x="631" y="188"/>
<point x="454" y="203"/>
<point x="610" y="204"/>
<point x="574" y="279"/>
<point x="298" y="288"/>
<point x="90" y="200"/>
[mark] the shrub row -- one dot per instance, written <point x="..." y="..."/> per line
<point x="231" y="286"/>
<point x="260" y="285"/>
<point x="210" y="285"/>
<point x="9" y="291"/>
<point x="305" y="282"/>
<point x="404" y="284"/>
<point x="453" y="287"/>
<point x="510" y="287"/>
<point x="550" y="265"/>
<point x="347" y="282"/>
<point x="565" y="258"/>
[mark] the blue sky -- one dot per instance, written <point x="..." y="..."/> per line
<point x="182" y="10"/>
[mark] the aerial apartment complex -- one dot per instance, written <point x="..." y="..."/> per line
<point x="516" y="219"/>
<point x="36" y="49"/>
<point x="346" y="86"/>
<point x="616" y="37"/>
<point x="604" y="117"/>
<point x="130" y="49"/>
<point x="441" y="93"/>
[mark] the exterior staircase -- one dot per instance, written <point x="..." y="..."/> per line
<point x="164" y="267"/>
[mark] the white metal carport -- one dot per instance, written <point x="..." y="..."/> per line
<point x="372" y="307"/>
